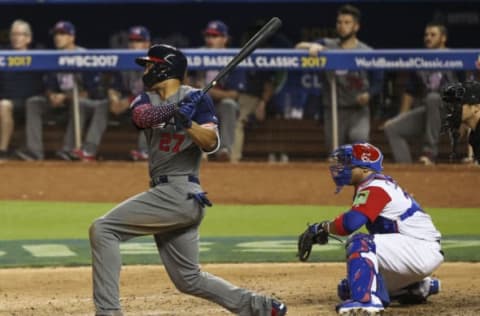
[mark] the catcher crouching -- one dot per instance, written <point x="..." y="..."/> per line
<point x="397" y="257"/>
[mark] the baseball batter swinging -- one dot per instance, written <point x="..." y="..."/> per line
<point x="179" y="123"/>
<point x="396" y="258"/>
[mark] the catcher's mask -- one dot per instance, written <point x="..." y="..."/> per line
<point x="168" y="62"/>
<point x="347" y="157"/>
<point x="454" y="96"/>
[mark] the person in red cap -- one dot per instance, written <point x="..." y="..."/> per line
<point x="217" y="28"/>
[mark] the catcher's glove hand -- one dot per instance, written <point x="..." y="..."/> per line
<point x="314" y="234"/>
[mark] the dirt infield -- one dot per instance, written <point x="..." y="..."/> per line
<point x="244" y="183"/>
<point x="309" y="289"/>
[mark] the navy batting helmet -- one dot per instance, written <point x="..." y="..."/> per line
<point x="168" y="62"/>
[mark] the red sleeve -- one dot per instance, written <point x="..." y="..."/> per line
<point x="339" y="225"/>
<point x="371" y="201"/>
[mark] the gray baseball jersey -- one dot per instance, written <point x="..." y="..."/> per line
<point x="169" y="213"/>
<point x="350" y="83"/>
<point x="171" y="150"/>
<point x="353" y="118"/>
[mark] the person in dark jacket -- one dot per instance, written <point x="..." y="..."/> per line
<point x="16" y="87"/>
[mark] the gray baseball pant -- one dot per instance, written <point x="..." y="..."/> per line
<point x="353" y="125"/>
<point x="37" y="106"/>
<point x="142" y="142"/>
<point x="248" y="104"/>
<point x="423" y="121"/>
<point x="165" y="212"/>
<point x="96" y="111"/>
<point x="227" y="111"/>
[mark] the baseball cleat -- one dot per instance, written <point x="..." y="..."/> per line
<point x="26" y="155"/>
<point x="138" y="155"/>
<point x="426" y="160"/>
<point x="79" y="154"/>
<point x="354" y="308"/>
<point x="435" y="286"/>
<point x="109" y="313"/>
<point x="343" y="290"/>
<point x="66" y="155"/>
<point x="4" y="155"/>
<point x="278" y="308"/>
<point x="223" y="155"/>
<point x="417" y="293"/>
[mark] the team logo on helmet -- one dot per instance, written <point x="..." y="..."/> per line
<point x="167" y="58"/>
<point x="366" y="152"/>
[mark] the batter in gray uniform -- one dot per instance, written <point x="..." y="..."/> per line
<point x="179" y="122"/>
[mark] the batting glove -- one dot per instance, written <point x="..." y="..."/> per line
<point x="201" y="198"/>
<point x="184" y="114"/>
<point x="194" y="97"/>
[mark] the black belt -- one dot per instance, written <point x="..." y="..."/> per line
<point x="441" y="251"/>
<point x="164" y="179"/>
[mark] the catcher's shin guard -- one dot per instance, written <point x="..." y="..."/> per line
<point x="343" y="291"/>
<point x="365" y="282"/>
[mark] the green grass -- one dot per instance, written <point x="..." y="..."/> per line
<point x="38" y="233"/>
<point x="64" y="220"/>
<point x="47" y="220"/>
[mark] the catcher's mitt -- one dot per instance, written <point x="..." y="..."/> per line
<point x="314" y="234"/>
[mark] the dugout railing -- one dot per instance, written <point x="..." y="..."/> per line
<point x="261" y="59"/>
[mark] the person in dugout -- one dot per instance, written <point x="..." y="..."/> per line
<point x="462" y="108"/>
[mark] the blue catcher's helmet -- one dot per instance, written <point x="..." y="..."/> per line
<point x="347" y="157"/>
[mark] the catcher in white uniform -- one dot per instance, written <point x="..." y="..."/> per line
<point x="395" y="260"/>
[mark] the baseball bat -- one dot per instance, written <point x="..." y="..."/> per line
<point x="259" y="38"/>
